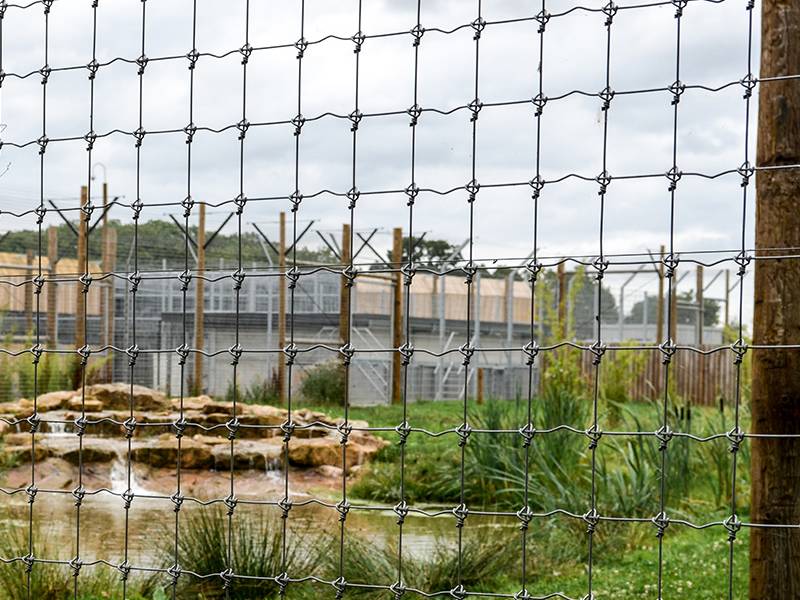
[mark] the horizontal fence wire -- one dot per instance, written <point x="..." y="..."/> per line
<point x="664" y="357"/>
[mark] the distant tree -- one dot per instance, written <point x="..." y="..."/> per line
<point x="435" y="252"/>
<point x="685" y="316"/>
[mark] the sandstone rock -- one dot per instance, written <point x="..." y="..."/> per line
<point x="94" y="450"/>
<point x="163" y="452"/>
<point x="15" y="455"/>
<point x="315" y="452"/>
<point x="55" y="400"/>
<point x="116" y="396"/>
<point x="89" y="404"/>
<point x="330" y="472"/>
<point x="244" y="457"/>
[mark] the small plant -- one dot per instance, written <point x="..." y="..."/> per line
<point x="256" y="549"/>
<point x="324" y="384"/>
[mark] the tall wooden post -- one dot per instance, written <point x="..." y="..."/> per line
<point x="282" y="307"/>
<point x="199" y="300"/>
<point x="700" y="308"/>
<point x="479" y="395"/>
<point x="727" y="297"/>
<point x="673" y="307"/>
<point x="52" y="289"/>
<point x="110" y="305"/>
<point x="562" y="301"/>
<point x="397" y="313"/>
<point x="29" y="292"/>
<point x="344" y="296"/>
<point x="775" y="463"/>
<point x="81" y="264"/>
<point x="660" y="303"/>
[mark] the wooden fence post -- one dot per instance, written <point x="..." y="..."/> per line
<point x="344" y="296"/>
<point x="80" y="265"/>
<point x="397" y="313"/>
<point x="52" y="289"/>
<point x="282" y="307"/>
<point x="775" y="463"/>
<point x="199" y="301"/>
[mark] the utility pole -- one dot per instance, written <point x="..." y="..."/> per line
<point x="700" y="307"/>
<point x="397" y="312"/>
<point x="344" y="296"/>
<point x="562" y="301"/>
<point x="775" y="405"/>
<point x="52" y="297"/>
<point x="200" y="300"/>
<point x="80" y="264"/>
<point x="29" y="292"/>
<point x="282" y="307"/>
<point x="660" y="303"/>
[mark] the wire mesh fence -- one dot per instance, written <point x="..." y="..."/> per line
<point x="387" y="326"/>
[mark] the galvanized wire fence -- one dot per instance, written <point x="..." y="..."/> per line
<point x="464" y="200"/>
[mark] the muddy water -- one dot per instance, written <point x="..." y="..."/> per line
<point x="151" y="520"/>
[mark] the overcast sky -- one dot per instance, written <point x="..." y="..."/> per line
<point x="643" y="50"/>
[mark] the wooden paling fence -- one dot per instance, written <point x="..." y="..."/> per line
<point x="706" y="380"/>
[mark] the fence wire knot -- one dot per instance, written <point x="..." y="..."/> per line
<point x="33" y="422"/>
<point x="138" y="135"/>
<point x="285" y="505"/>
<point x="301" y="45"/>
<point x="732" y="524"/>
<point x="594" y="434"/>
<point x="474" y="108"/>
<point x="401" y="510"/>
<point x="406" y="352"/>
<point x="600" y="266"/>
<point x="661" y="522"/>
<point x="670" y="262"/>
<point x="340" y="585"/>
<point x="417" y="32"/>
<point x="347" y="351"/>
<point x="296" y="198"/>
<point x="676" y="89"/>
<point x="739" y="349"/>
<point x="177" y="501"/>
<point x="746" y="171"/>
<point x="349" y="273"/>
<point x="36" y="350"/>
<point x="679" y="6"/>
<point x="606" y="95"/>
<point x="460" y="512"/>
<point x="478" y="25"/>
<point x="287" y="428"/>
<point x="523" y="595"/>
<point x="75" y="565"/>
<point x="80" y="425"/>
<point x="344" y="429"/>
<point x="246" y="50"/>
<point x="473" y="187"/>
<point x="39" y="211"/>
<point x="528" y="432"/>
<point x="293" y="275"/>
<point x="353" y="194"/>
<point x="45" y="73"/>
<point x="469" y="271"/>
<point x="174" y="572"/>
<point x="412" y="191"/>
<point x="78" y="493"/>
<point x="398" y="589"/>
<point x="748" y="82"/>
<point x="298" y="121"/>
<point x="137" y="207"/>
<point x="664" y="435"/>
<point x="240" y="201"/>
<point x="124" y="569"/>
<point x="463" y="432"/>
<point x="408" y="270"/>
<point x="283" y="581"/>
<point x="193" y="56"/>
<point x="743" y="260"/>
<point x="232" y="425"/>
<point x="343" y="507"/>
<point x="230" y="502"/>
<point x="85" y="280"/>
<point x="542" y="17"/>
<point x="132" y="352"/>
<point x="735" y="437"/>
<point x="591" y="518"/>
<point x="668" y="350"/>
<point x="525" y="516"/>
<point x="403" y="430"/>
<point x="129" y="425"/>
<point x="290" y="351"/>
<point x="185" y="278"/>
<point x="466" y="351"/>
<point x="534" y="267"/>
<point x="610" y="10"/>
<point x="227" y="578"/>
<point x="458" y="592"/>
<point x="179" y="427"/>
<point x="127" y="498"/>
<point x="31" y="492"/>
<point x="183" y="353"/>
<point x="236" y="353"/>
<point x="358" y="39"/>
<point x="598" y="349"/>
<point x="28" y="561"/>
<point x="538" y="101"/>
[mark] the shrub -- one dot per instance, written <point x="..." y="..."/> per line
<point x="324" y="384"/>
